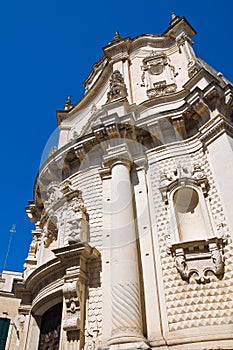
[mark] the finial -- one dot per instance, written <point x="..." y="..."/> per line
<point x="67" y="104"/>
<point x="117" y="36"/>
<point x="173" y="15"/>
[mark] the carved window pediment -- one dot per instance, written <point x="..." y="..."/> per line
<point x="183" y="177"/>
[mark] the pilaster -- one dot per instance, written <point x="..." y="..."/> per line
<point x="144" y="224"/>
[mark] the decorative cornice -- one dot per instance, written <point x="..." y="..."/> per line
<point x="96" y="68"/>
<point x="215" y="128"/>
<point x="179" y="25"/>
<point x="117" y="49"/>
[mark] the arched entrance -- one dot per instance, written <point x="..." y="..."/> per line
<point x="50" y="328"/>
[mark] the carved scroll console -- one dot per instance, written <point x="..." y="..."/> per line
<point x="199" y="259"/>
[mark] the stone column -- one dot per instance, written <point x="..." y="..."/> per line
<point x="125" y="290"/>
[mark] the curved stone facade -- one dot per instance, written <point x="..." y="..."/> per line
<point x="132" y="212"/>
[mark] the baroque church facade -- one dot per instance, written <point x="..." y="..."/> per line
<point x="132" y="246"/>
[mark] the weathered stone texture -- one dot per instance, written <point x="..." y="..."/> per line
<point x="89" y="183"/>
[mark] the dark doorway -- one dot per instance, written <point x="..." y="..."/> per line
<point x="50" y="328"/>
<point x="4" y="327"/>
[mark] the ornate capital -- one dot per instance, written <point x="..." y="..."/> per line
<point x="182" y="38"/>
<point x="118" y="154"/>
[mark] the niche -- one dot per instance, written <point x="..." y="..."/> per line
<point x="190" y="220"/>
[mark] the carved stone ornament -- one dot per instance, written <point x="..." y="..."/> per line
<point x="183" y="176"/>
<point x="54" y="196"/>
<point x="199" y="259"/>
<point x="157" y="64"/>
<point x="74" y="218"/>
<point x="75" y="221"/>
<point x="74" y="292"/>
<point x="117" y="87"/>
<point x="50" y="231"/>
<point x="70" y="292"/>
<point x="161" y="88"/>
<point x="193" y="67"/>
<point x="154" y="63"/>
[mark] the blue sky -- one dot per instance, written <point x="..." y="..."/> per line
<point x="47" y="49"/>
